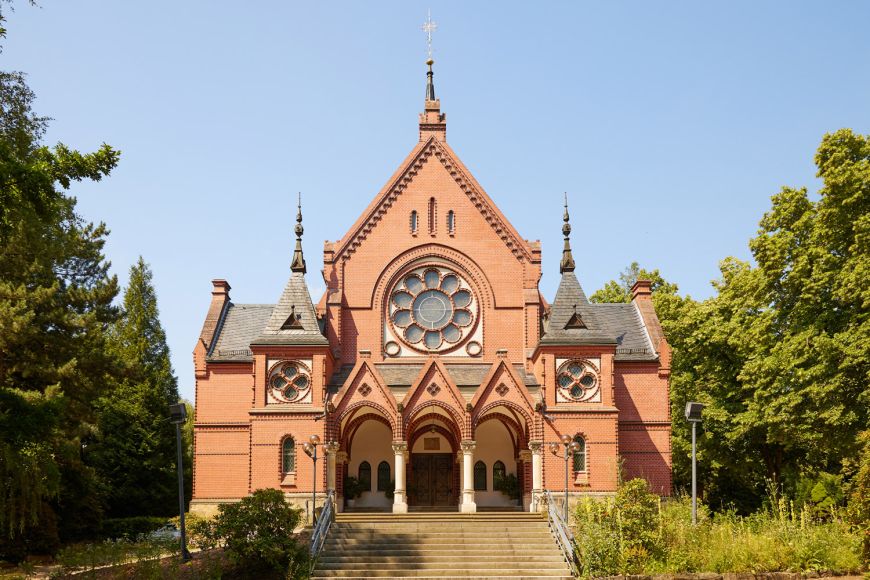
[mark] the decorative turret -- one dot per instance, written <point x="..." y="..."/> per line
<point x="567" y="263"/>
<point x="432" y="121"/>
<point x="298" y="263"/>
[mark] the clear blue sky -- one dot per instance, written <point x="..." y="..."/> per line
<point x="669" y="124"/>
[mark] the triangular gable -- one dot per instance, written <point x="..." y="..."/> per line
<point x="575" y="322"/>
<point x="503" y="384"/>
<point x="406" y="173"/>
<point x="433" y="383"/>
<point x="365" y="386"/>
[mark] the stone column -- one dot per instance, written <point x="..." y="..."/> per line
<point x="400" y="502"/>
<point x="468" y="504"/>
<point x="537" y="448"/>
<point x="330" y="449"/>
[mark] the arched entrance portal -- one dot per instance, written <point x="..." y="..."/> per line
<point x="433" y="473"/>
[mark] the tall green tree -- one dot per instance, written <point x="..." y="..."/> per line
<point x="55" y="310"/>
<point x="781" y="353"/>
<point x="136" y="448"/>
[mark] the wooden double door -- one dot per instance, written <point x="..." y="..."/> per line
<point x="431" y="481"/>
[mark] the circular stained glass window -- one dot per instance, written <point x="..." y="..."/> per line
<point x="432" y="309"/>
<point x="289" y="381"/>
<point x="578" y="380"/>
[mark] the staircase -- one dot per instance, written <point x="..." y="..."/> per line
<point x="441" y="545"/>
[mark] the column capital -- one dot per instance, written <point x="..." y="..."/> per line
<point x="467" y="445"/>
<point x="537" y="447"/>
<point x="341" y="457"/>
<point x="331" y="447"/>
<point x="400" y="447"/>
<point x="525" y="455"/>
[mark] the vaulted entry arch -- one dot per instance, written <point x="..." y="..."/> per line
<point x="501" y="433"/>
<point x="433" y="474"/>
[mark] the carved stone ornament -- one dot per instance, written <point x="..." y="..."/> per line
<point x="365" y="390"/>
<point x="433" y="389"/>
<point x="467" y="446"/>
<point x="400" y="447"/>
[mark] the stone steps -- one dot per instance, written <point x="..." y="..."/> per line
<point x="487" y="545"/>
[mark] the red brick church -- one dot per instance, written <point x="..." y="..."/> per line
<point x="432" y="369"/>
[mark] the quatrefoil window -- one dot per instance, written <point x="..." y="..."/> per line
<point x="501" y="390"/>
<point x="432" y="309"/>
<point x="578" y="380"/>
<point x="365" y="390"/>
<point x="433" y="389"/>
<point x="289" y="381"/>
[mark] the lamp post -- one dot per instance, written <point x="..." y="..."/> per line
<point x="311" y="450"/>
<point x="178" y="416"/>
<point x="570" y="447"/>
<point x="693" y="415"/>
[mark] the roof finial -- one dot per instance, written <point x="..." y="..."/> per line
<point x="567" y="263"/>
<point x="298" y="263"/>
<point x="429" y="27"/>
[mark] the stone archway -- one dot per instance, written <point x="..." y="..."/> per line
<point x="433" y="475"/>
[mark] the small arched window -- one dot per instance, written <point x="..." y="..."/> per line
<point x="498" y="474"/>
<point x="383" y="476"/>
<point x="288" y="455"/>
<point x="414" y="222"/>
<point x="580" y="454"/>
<point x="432" y="216"/>
<point x="365" y="476"/>
<point x="480" y="476"/>
<point x="451" y="222"/>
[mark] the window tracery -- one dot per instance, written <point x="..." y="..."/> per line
<point x="578" y="380"/>
<point x="289" y="381"/>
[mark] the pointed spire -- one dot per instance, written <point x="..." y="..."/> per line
<point x="298" y="263"/>
<point x="430" y="86"/>
<point x="567" y="263"/>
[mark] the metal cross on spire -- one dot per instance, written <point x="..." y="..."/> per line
<point x="429" y="27"/>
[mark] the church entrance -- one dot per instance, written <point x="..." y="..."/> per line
<point x="431" y="480"/>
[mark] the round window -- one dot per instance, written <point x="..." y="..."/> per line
<point x="578" y="380"/>
<point x="289" y="381"/>
<point x="432" y="309"/>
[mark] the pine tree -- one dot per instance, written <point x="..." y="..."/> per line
<point x="135" y="453"/>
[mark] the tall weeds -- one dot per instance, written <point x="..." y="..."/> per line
<point x="630" y="534"/>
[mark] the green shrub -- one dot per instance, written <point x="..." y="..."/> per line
<point x="508" y="485"/>
<point x="258" y="531"/>
<point x="131" y="528"/>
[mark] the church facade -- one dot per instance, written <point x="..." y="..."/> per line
<point x="432" y="371"/>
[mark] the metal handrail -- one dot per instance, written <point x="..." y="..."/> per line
<point x="563" y="534"/>
<point x="321" y="528"/>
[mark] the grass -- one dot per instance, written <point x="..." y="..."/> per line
<point x="611" y="538"/>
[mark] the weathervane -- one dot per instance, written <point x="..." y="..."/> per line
<point x="429" y="27"/>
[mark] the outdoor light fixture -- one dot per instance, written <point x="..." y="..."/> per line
<point x="178" y="416"/>
<point x="310" y="449"/>
<point x="571" y="447"/>
<point x="693" y="415"/>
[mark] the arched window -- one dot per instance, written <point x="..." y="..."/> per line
<point x="383" y="476"/>
<point x="580" y="454"/>
<point x="498" y="473"/>
<point x="365" y="476"/>
<point x="414" y="222"/>
<point x="451" y="222"/>
<point x="288" y="455"/>
<point x="432" y="215"/>
<point x="480" y="476"/>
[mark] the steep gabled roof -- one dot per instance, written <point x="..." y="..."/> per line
<point x="424" y="152"/>
<point x="571" y="301"/>
<point x="295" y="301"/>
<point x="240" y="324"/>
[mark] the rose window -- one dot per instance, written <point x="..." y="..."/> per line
<point x="289" y="381"/>
<point x="578" y="380"/>
<point x="432" y="309"/>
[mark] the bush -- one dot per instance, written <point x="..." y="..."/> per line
<point x="258" y="531"/>
<point x="131" y="528"/>
<point x="508" y="485"/>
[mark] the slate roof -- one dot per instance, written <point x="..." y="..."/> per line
<point x="294" y="300"/>
<point x="397" y="375"/>
<point x="618" y="324"/>
<point x="240" y="324"/>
